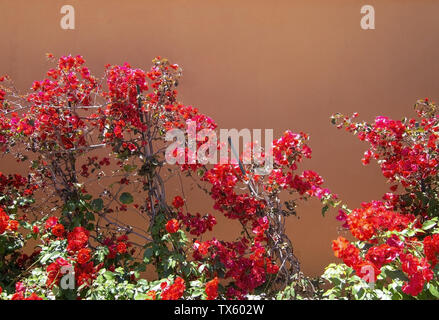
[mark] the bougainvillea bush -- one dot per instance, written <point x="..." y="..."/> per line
<point x="396" y="246"/>
<point x="91" y="151"/>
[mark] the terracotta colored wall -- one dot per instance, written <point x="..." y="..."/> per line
<point x="256" y="64"/>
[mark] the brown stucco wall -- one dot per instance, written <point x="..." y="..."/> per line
<point x="255" y="64"/>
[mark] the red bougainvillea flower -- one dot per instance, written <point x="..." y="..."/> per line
<point x="196" y="223"/>
<point x="369" y="224"/>
<point x="395" y="241"/>
<point x="35" y="229"/>
<point x="58" y="230"/>
<point x="431" y="248"/>
<point x="51" y="222"/>
<point x="77" y="239"/>
<point x="339" y="246"/>
<point x="350" y="255"/>
<point x="364" y="222"/>
<point x="382" y="254"/>
<point x="18" y="296"/>
<point x="121" y="247"/>
<point x="85" y="273"/>
<point x="418" y="272"/>
<point x="122" y="238"/>
<point x="367" y="270"/>
<point x="407" y="151"/>
<point x="271" y="267"/>
<point x="178" y="202"/>
<point x="151" y="295"/>
<point x="34" y="296"/>
<point x="201" y="247"/>
<point x="4" y="221"/>
<point x="83" y="255"/>
<point x="19" y="287"/>
<point x="172" y="226"/>
<point x="342" y="216"/>
<point x="13" y="225"/>
<point x="54" y="271"/>
<point x="174" y="291"/>
<point x="212" y="289"/>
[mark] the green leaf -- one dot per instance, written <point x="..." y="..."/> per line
<point x="433" y="290"/>
<point x="397" y="275"/>
<point x="148" y="254"/>
<point x="109" y="275"/>
<point x="200" y="172"/>
<point x="140" y="296"/>
<point x="90" y="216"/>
<point x="71" y="206"/>
<point x="324" y="209"/>
<point x="97" y="204"/>
<point x="129" y="168"/>
<point x="87" y="197"/>
<point x="126" y="198"/>
<point x="428" y="224"/>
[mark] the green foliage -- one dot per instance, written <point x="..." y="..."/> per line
<point x="126" y="198"/>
